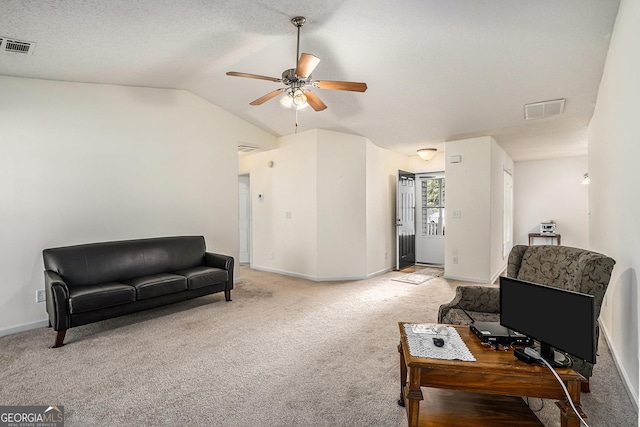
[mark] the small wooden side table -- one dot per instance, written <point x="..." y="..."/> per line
<point x="533" y="236"/>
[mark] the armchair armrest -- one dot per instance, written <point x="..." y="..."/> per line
<point x="57" y="296"/>
<point x="223" y="262"/>
<point x="484" y="299"/>
<point x="515" y="260"/>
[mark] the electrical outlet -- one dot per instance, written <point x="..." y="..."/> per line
<point x="455" y="259"/>
<point x="41" y="296"/>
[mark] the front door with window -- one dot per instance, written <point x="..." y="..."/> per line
<point x="430" y="225"/>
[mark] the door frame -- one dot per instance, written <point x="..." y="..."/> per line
<point x="401" y="241"/>
<point x="429" y="249"/>
<point x="249" y="221"/>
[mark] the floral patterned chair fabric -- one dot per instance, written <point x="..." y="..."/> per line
<point x="558" y="266"/>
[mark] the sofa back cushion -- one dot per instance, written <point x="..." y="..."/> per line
<point x="555" y="266"/>
<point x="563" y="267"/>
<point x="97" y="263"/>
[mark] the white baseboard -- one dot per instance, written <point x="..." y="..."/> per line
<point x="466" y="279"/>
<point x="309" y="277"/>
<point x="616" y="358"/>
<point x="24" y="327"/>
<point x="379" y="272"/>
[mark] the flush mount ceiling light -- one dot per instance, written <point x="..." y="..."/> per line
<point x="427" y="154"/>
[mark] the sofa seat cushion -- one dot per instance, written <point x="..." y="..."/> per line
<point x="95" y="297"/>
<point x="158" y="284"/>
<point x="455" y="316"/>
<point x="199" y="277"/>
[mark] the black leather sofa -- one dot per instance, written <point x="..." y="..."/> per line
<point x="92" y="282"/>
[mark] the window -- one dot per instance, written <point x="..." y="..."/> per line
<point x="433" y="207"/>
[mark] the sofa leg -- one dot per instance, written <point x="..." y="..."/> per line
<point x="60" y="338"/>
<point x="227" y="294"/>
<point x="584" y="386"/>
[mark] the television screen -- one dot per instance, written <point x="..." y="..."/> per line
<point x="555" y="317"/>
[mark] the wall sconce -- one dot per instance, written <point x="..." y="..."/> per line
<point x="427" y="154"/>
<point x="585" y="179"/>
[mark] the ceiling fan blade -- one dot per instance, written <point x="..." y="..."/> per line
<point x="314" y="101"/>
<point x="352" y="86"/>
<point x="306" y="64"/>
<point x="253" y="76"/>
<point x="267" y="97"/>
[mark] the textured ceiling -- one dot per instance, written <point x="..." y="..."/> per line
<point x="437" y="70"/>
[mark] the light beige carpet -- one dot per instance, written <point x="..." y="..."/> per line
<point x="420" y="276"/>
<point x="284" y="352"/>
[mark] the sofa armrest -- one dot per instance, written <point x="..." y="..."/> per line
<point x="223" y="262"/>
<point x="515" y="259"/>
<point x="484" y="299"/>
<point x="57" y="296"/>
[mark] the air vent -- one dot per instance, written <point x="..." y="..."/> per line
<point x="246" y="149"/>
<point x="540" y="110"/>
<point x="16" y="46"/>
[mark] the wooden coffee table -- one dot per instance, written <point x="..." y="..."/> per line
<point x="486" y="387"/>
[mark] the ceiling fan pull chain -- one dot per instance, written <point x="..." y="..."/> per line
<point x="296" y="131"/>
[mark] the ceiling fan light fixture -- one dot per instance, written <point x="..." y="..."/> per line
<point x="427" y="154"/>
<point x="299" y="98"/>
<point x="287" y="101"/>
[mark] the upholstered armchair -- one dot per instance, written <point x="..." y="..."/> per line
<point x="563" y="267"/>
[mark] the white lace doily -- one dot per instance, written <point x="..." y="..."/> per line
<point x="420" y="340"/>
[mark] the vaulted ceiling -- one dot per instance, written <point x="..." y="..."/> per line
<point x="436" y="70"/>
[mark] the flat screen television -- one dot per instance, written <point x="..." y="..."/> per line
<point x="556" y="318"/>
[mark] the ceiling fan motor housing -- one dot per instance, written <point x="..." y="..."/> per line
<point x="290" y="78"/>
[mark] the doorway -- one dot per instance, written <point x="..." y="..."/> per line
<point x="244" y="218"/>
<point x="430" y="221"/>
<point x="405" y="220"/>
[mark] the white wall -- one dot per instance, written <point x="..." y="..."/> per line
<point x="475" y="191"/>
<point x="340" y="192"/>
<point x="341" y="184"/>
<point x="284" y="222"/>
<point x="85" y="163"/>
<point x="614" y="224"/>
<point x="552" y="189"/>
<point x="382" y="177"/>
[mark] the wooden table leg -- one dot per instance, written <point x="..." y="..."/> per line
<point x="403" y="376"/>
<point x="413" y="397"/>
<point x="568" y="417"/>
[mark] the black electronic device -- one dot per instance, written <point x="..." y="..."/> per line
<point x="495" y="333"/>
<point x="438" y="342"/>
<point x="556" y="318"/>
<point x="525" y="356"/>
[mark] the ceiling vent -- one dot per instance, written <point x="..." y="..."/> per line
<point x="246" y="149"/>
<point x="16" y="46"/>
<point x="540" y="110"/>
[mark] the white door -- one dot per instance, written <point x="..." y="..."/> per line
<point x="430" y="226"/>
<point x="244" y="218"/>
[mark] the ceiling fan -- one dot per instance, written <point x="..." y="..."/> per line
<point x="298" y="80"/>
